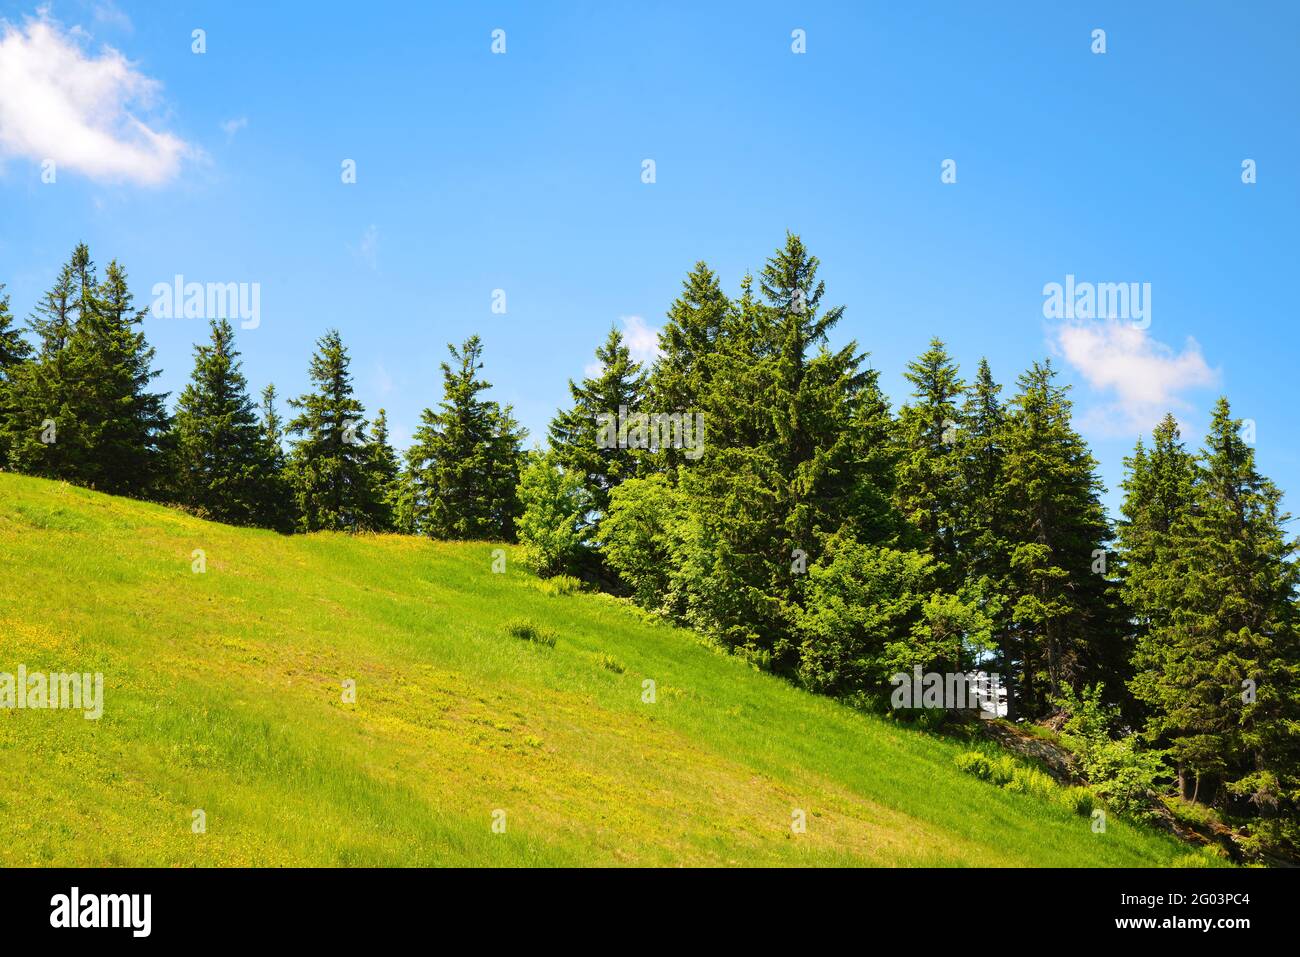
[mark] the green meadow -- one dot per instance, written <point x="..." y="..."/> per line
<point x="224" y="692"/>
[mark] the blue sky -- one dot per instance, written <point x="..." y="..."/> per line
<point x="478" y="171"/>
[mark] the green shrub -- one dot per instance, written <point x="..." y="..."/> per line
<point x="643" y="538"/>
<point x="1031" y="781"/>
<point x="1006" y="772"/>
<point x="1079" y="800"/>
<point x="1002" y="769"/>
<point x="551" y="528"/>
<point x="1203" y="857"/>
<point x="610" y="663"/>
<point x="560" y="585"/>
<point x="1125" y="776"/>
<point x="859" y="599"/>
<point x="528" y="631"/>
<point x="1118" y="769"/>
<point x="1190" y="814"/>
<point x="974" y="762"/>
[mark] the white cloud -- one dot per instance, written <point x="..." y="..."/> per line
<point x="642" y="343"/>
<point x="1146" y="377"/>
<point x="642" y="340"/>
<point x="232" y="126"/>
<point x="60" y="102"/>
<point x="111" y="15"/>
<point x="368" y="249"/>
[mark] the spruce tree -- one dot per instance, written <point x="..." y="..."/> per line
<point x="14" y="351"/>
<point x="277" y="499"/>
<point x="811" y="399"/>
<point x="1159" y="489"/>
<point x="82" y="411"/>
<point x="688" y="344"/>
<point x="782" y="472"/>
<point x="575" y="433"/>
<point x="1061" y="596"/>
<point x="1223" y="675"/>
<point x="130" y="422"/>
<point x="507" y="460"/>
<point x="385" y="470"/>
<point x="38" y="391"/>
<point x="465" y="459"/>
<point x="329" y="464"/>
<point x="982" y="531"/>
<point x="874" y="431"/>
<point x="13" y="347"/>
<point x="929" y="466"/>
<point x="223" y="461"/>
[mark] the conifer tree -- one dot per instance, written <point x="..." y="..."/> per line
<point x="130" y="422"/>
<point x="929" y="466"/>
<point x="1222" y="672"/>
<point x="982" y="532"/>
<point x="14" y="351"/>
<point x="1060" y="595"/>
<point x="277" y="499"/>
<point x="688" y="344"/>
<point x="38" y="393"/>
<point x="329" y="464"/>
<point x="576" y="436"/>
<point x="13" y="347"/>
<point x="1159" y="489"/>
<point x="83" y="410"/>
<point x="506" y="466"/>
<point x="781" y="473"/>
<point x="466" y="457"/>
<point x="223" y="462"/>
<point x="812" y="391"/>
<point x="874" y="430"/>
<point x="385" y="470"/>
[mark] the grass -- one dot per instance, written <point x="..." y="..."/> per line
<point x="626" y="743"/>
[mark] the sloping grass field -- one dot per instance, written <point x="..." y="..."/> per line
<point x="224" y="693"/>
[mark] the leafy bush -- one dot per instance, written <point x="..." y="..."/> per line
<point x="999" y="770"/>
<point x="554" y="504"/>
<point x="528" y="631"/>
<point x="1008" y="773"/>
<point x="1271" y="835"/>
<point x="642" y="536"/>
<point x="1203" y="857"/>
<point x="974" y="762"/>
<point x="1002" y="769"/>
<point x="1079" y="800"/>
<point x="1189" y="813"/>
<point x="560" y="585"/>
<point x="952" y="628"/>
<point x="1031" y="781"/>
<point x="1118" y="769"/>
<point x="859" y="598"/>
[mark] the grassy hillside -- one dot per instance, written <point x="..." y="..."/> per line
<point x="223" y="693"/>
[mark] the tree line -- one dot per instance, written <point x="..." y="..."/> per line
<point x="821" y="534"/>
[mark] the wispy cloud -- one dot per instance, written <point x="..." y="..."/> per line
<point x="60" y="102"/>
<point x="1143" y="377"/>
<point x="232" y="126"/>
<point x="111" y="15"/>
<point x="367" y="250"/>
